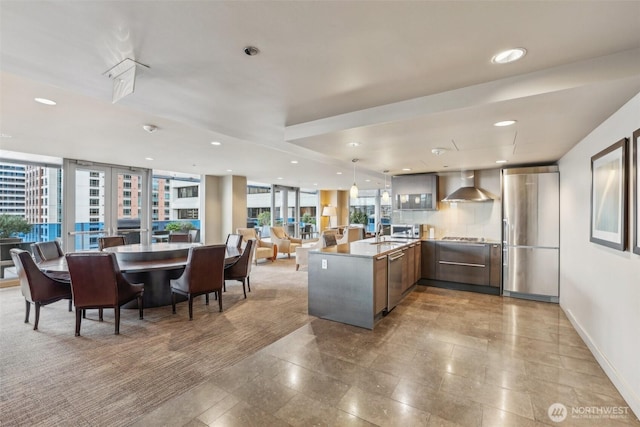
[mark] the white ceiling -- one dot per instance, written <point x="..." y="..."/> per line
<point x="398" y="77"/>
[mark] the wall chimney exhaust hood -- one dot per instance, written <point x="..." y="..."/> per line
<point x="468" y="191"/>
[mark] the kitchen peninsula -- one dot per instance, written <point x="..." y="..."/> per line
<point x="358" y="282"/>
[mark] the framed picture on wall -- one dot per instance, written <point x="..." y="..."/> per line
<point x="609" y="196"/>
<point x="636" y="192"/>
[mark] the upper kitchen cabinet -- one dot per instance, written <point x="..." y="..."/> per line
<point x="415" y="192"/>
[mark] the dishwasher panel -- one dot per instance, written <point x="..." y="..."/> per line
<point x="396" y="278"/>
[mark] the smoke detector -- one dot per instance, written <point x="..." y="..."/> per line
<point x="438" y="151"/>
<point x="150" y="128"/>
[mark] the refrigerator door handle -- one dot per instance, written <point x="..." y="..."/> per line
<point x="505" y="231"/>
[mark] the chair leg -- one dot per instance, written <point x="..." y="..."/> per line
<point x="297" y="267"/>
<point x="244" y="290"/>
<point x="248" y="284"/>
<point x="35" y="325"/>
<point x="141" y="307"/>
<point x="220" y="300"/>
<point x="117" y="310"/>
<point x="173" y="302"/>
<point x="100" y="313"/>
<point x="190" y="307"/>
<point x="206" y="299"/>
<point x="84" y="313"/>
<point x="224" y="286"/>
<point x="69" y="305"/>
<point x="79" y="315"/>
<point x="28" y="309"/>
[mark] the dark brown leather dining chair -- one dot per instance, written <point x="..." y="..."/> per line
<point x="241" y="268"/>
<point x="203" y="274"/>
<point x="179" y="238"/>
<point x="96" y="282"/>
<point x="46" y="251"/>
<point x="37" y="288"/>
<point x="108" y="242"/>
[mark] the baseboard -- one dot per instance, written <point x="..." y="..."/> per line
<point x="632" y="399"/>
<point x="8" y="283"/>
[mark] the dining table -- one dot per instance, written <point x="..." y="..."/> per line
<point x="153" y="264"/>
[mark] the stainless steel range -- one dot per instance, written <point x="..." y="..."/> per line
<point x="463" y="239"/>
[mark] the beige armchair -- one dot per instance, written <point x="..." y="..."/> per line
<point x="286" y="244"/>
<point x="264" y="250"/>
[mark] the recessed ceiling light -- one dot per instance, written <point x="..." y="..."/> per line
<point x="353" y="144"/>
<point x="216" y="143"/>
<point x="438" y="151"/>
<point x="505" y="123"/>
<point x="501" y="161"/>
<point x="367" y="180"/>
<point x="509" y="55"/>
<point x="280" y="177"/>
<point x="338" y="173"/>
<point x="251" y="50"/>
<point x="148" y="158"/>
<point x="315" y="183"/>
<point x="229" y="170"/>
<point x="150" y="128"/>
<point x="45" y="101"/>
<point x="406" y="169"/>
<point x="295" y="162"/>
<point x="4" y="135"/>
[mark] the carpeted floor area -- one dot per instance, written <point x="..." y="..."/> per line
<point x="51" y="377"/>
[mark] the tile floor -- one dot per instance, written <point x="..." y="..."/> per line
<point x="441" y="358"/>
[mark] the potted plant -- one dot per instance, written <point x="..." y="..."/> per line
<point x="180" y="227"/>
<point x="358" y="217"/>
<point x="264" y="221"/>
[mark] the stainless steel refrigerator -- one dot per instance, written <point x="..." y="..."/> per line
<point x="531" y="233"/>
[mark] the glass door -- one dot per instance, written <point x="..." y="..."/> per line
<point x="105" y="200"/>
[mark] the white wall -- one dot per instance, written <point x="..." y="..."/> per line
<point x="599" y="286"/>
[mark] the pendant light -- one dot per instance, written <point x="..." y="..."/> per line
<point x="354" y="188"/>
<point x="385" y="194"/>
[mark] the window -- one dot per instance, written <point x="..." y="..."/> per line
<point x="94" y="219"/>
<point x="94" y="182"/>
<point x="126" y="212"/>
<point x="94" y="174"/>
<point x="94" y="193"/>
<point x="187" y="213"/>
<point x="94" y="211"/>
<point x="126" y="202"/>
<point x="94" y="202"/>
<point x="126" y="185"/>
<point x="185" y="192"/>
<point x="126" y="194"/>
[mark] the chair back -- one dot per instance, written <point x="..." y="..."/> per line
<point x="108" y="242"/>
<point x="234" y="240"/>
<point x="179" y="238"/>
<point x="247" y="233"/>
<point x="242" y="266"/>
<point x="205" y="268"/>
<point x="34" y="284"/>
<point x="93" y="278"/>
<point x="279" y="232"/>
<point x="48" y="250"/>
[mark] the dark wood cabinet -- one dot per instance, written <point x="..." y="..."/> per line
<point x="428" y="260"/>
